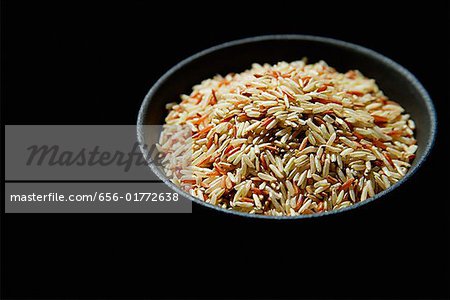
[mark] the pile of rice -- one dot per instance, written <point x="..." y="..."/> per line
<point x="288" y="139"/>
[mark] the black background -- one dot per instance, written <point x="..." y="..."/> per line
<point x="69" y="62"/>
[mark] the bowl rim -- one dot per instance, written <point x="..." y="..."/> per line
<point x="331" y="41"/>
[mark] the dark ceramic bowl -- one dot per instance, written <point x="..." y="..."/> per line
<point x="237" y="56"/>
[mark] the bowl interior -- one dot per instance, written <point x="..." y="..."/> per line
<point x="397" y="83"/>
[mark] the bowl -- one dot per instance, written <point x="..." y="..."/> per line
<point x="236" y="56"/>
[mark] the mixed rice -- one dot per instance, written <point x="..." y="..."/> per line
<point x="288" y="139"/>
